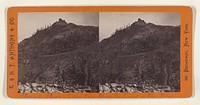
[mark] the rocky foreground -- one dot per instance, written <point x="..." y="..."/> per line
<point x="105" y="88"/>
<point x="114" y="87"/>
<point x="52" y="88"/>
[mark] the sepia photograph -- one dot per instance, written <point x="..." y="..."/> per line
<point x="54" y="53"/>
<point x="139" y="52"/>
<point x="98" y="52"/>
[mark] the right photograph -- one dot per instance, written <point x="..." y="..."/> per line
<point x="139" y="52"/>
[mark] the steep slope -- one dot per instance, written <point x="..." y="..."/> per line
<point x="58" y="38"/>
<point x="142" y="53"/>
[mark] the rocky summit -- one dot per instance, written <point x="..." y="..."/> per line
<point x="141" y="56"/>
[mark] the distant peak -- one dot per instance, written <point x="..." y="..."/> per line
<point x="60" y="22"/>
<point x="140" y="19"/>
<point x="139" y="22"/>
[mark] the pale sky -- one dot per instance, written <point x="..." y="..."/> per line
<point x="110" y="21"/>
<point x="29" y="22"/>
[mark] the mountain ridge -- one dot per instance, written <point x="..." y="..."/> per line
<point x="58" y="35"/>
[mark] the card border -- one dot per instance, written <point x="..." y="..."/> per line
<point x="12" y="51"/>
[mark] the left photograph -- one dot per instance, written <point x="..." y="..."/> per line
<point x="57" y="52"/>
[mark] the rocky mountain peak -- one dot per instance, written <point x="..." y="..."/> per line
<point x="139" y="22"/>
<point x="60" y="22"/>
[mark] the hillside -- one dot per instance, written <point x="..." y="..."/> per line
<point x="60" y="54"/>
<point x="142" y="53"/>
